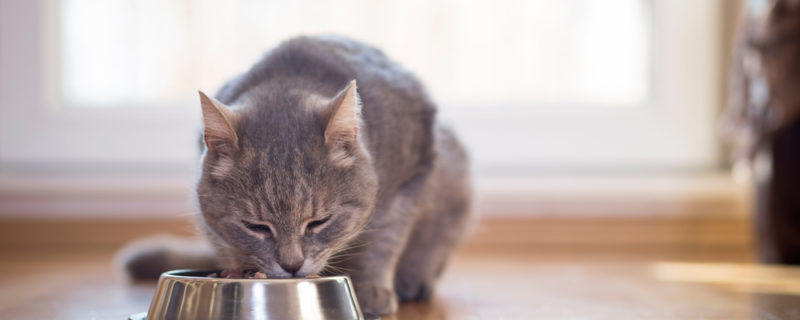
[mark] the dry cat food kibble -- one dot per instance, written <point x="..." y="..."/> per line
<point x="247" y="274"/>
<point x="238" y="274"/>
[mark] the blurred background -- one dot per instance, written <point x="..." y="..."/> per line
<point x="571" y="109"/>
<point x="591" y="124"/>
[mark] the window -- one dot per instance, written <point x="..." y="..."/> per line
<point x="476" y="53"/>
<point x="530" y="85"/>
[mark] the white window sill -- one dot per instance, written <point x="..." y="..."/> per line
<point x="696" y="195"/>
<point x="700" y="195"/>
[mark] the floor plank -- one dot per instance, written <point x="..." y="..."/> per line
<point x="515" y="283"/>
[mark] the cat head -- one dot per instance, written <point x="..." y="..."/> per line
<point x="286" y="180"/>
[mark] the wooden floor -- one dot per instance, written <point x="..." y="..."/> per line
<point x="510" y="283"/>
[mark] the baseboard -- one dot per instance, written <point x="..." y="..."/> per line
<point x="664" y="196"/>
<point x="616" y="232"/>
<point x="486" y="233"/>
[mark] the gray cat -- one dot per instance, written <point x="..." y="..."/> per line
<point x="326" y="156"/>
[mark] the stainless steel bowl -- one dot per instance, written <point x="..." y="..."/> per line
<point x="189" y="294"/>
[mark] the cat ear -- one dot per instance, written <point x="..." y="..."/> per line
<point x="218" y="132"/>
<point x="343" y="115"/>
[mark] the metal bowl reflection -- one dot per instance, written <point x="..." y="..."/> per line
<point x="189" y="294"/>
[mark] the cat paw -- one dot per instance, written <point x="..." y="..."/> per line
<point x="376" y="299"/>
<point x="414" y="289"/>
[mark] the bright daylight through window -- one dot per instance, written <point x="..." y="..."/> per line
<point x="536" y="53"/>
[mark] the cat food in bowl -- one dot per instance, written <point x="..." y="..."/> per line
<point x="192" y="294"/>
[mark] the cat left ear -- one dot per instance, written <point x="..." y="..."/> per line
<point x="218" y="132"/>
<point x="343" y="116"/>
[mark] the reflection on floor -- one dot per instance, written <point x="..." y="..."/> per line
<point x="510" y="283"/>
<point x="749" y="278"/>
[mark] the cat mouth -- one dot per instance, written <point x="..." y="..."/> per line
<point x="274" y="271"/>
<point x="269" y="269"/>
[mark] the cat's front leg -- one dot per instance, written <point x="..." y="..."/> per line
<point x="372" y="277"/>
<point x="376" y="297"/>
<point x="372" y="268"/>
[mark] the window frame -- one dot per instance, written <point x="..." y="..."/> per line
<point x="36" y="128"/>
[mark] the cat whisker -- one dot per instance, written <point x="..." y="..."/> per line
<point x="351" y="246"/>
<point x="187" y="214"/>
<point x="344" y="254"/>
<point x="336" y="270"/>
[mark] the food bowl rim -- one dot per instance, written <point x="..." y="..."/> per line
<point x="176" y="275"/>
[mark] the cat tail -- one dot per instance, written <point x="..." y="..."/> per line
<point x="145" y="259"/>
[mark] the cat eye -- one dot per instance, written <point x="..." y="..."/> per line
<point x="258" y="228"/>
<point x="317" y="223"/>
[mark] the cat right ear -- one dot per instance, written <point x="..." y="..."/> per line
<point x="218" y="123"/>
<point x="343" y="115"/>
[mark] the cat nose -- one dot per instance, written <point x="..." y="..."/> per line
<point x="292" y="267"/>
